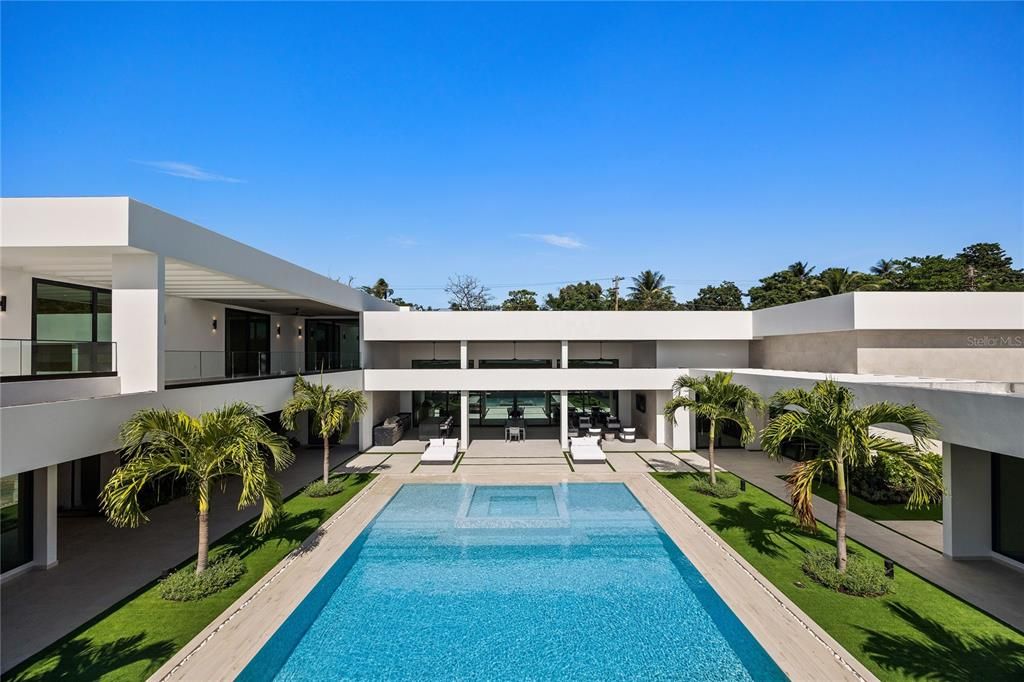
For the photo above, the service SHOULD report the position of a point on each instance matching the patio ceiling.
(93, 267)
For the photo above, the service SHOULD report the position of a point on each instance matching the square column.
(463, 354)
(366, 424)
(137, 321)
(44, 517)
(464, 419)
(966, 502)
(565, 355)
(564, 413)
(759, 418)
(662, 434)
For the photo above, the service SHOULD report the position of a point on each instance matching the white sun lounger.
(586, 449)
(440, 451)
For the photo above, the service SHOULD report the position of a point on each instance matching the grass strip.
(133, 638)
(918, 632)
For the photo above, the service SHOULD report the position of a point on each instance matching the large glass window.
(513, 364)
(727, 434)
(583, 363)
(435, 364)
(67, 321)
(1008, 506)
(332, 344)
(247, 343)
(598, 405)
(15, 520)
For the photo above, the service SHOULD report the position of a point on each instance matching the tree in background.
(202, 452)
(725, 296)
(884, 267)
(332, 410)
(987, 267)
(521, 299)
(827, 415)
(835, 281)
(649, 292)
(465, 292)
(792, 285)
(398, 300)
(380, 289)
(579, 296)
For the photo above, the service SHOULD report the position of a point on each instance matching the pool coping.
(769, 615)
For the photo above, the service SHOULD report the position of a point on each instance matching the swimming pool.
(573, 581)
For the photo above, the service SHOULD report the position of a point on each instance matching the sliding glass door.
(247, 343)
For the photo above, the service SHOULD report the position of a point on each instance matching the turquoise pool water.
(466, 582)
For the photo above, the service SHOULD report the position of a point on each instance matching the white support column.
(44, 515)
(966, 502)
(759, 418)
(366, 424)
(565, 355)
(464, 354)
(563, 403)
(661, 434)
(464, 419)
(137, 321)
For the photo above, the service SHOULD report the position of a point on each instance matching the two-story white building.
(111, 305)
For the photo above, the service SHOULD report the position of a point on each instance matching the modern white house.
(110, 305)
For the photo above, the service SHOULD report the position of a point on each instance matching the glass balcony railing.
(191, 366)
(54, 359)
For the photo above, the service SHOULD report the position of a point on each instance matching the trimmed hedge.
(721, 489)
(862, 578)
(186, 585)
(887, 480)
(335, 485)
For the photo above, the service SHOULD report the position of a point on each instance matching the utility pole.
(615, 287)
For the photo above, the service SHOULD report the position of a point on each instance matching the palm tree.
(334, 410)
(649, 291)
(801, 270)
(834, 281)
(716, 399)
(381, 289)
(826, 416)
(884, 267)
(203, 450)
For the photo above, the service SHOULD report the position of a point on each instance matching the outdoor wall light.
(213, 324)
(278, 331)
(300, 332)
(3, 304)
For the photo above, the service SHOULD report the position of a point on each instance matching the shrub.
(721, 489)
(321, 489)
(886, 480)
(185, 585)
(863, 578)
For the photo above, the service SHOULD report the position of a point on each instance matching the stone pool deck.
(800, 648)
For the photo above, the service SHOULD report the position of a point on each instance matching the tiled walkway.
(543, 455)
(989, 585)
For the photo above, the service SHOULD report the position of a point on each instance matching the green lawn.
(133, 638)
(918, 632)
(880, 512)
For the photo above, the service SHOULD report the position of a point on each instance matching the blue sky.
(533, 144)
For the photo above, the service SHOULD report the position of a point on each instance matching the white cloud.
(562, 241)
(190, 171)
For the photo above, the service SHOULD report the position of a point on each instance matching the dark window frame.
(36, 281)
